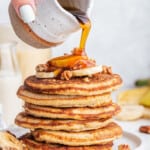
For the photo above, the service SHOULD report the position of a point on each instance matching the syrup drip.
(85, 24)
(78, 59)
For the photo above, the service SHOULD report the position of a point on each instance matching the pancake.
(31, 122)
(64, 100)
(95, 85)
(32, 145)
(92, 137)
(72, 113)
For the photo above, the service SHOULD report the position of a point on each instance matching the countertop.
(133, 127)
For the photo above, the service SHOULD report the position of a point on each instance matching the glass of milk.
(10, 80)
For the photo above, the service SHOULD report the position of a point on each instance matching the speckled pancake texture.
(64, 100)
(98, 136)
(30, 122)
(34, 145)
(95, 85)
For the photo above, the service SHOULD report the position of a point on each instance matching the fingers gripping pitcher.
(53, 23)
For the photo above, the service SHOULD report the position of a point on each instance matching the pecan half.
(107, 70)
(145, 129)
(123, 147)
(66, 75)
(42, 68)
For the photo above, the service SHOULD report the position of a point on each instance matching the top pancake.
(97, 84)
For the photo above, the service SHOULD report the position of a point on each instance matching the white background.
(120, 37)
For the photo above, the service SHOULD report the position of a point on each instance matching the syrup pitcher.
(53, 23)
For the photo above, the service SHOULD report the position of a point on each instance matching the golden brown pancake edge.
(30, 122)
(101, 83)
(83, 113)
(99, 136)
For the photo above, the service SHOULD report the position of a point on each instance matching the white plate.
(129, 138)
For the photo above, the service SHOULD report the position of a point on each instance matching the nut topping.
(42, 68)
(66, 75)
(123, 147)
(145, 129)
(107, 70)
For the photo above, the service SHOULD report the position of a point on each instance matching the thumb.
(25, 9)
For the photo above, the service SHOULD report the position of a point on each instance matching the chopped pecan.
(107, 70)
(83, 63)
(42, 68)
(123, 147)
(66, 75)
(86, 79)
(145, 129)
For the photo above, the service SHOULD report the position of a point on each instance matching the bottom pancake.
(92, 137)
(34, 145)
(31, 122)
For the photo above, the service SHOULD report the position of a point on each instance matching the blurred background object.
(10, 79)
(2, 123)
(27, 58)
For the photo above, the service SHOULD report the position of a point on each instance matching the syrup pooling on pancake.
(68, 66)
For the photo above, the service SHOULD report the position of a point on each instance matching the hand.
(25, 9)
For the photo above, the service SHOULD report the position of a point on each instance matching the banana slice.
(131, 96)
(75, 73)
(87, 71)
(130, 112)
(146, 112)
(145, 100)
(45, 74)
(48, 74)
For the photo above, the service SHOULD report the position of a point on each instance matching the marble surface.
(133, 127)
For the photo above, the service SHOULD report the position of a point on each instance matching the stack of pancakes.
(73, 114)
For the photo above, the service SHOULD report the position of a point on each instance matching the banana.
(130, 112)
(48, 74)
(146, 112)
(132, 96)
(75, 73)
(86, 71)
(145, 99)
